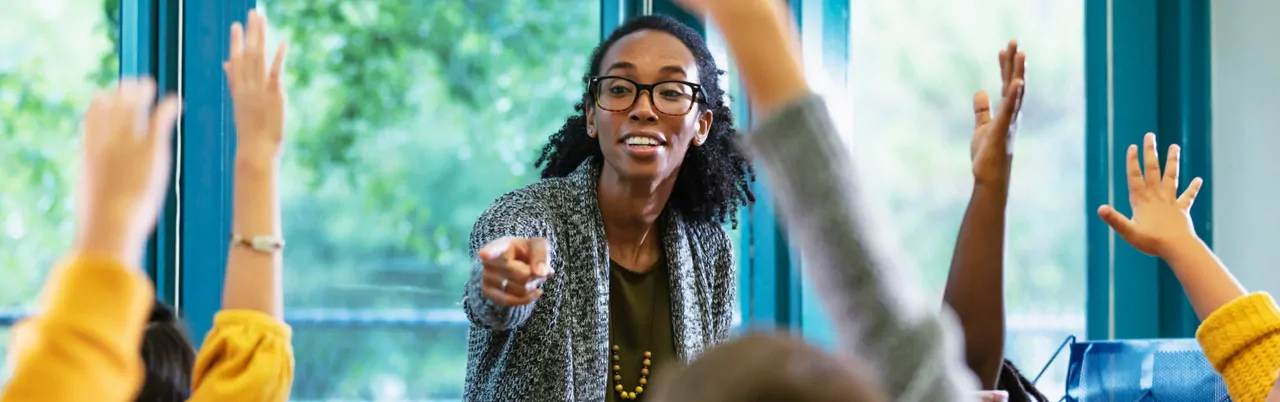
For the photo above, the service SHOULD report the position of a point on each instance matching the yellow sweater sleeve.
(247, 357)
(85, 343)
(1242, 341)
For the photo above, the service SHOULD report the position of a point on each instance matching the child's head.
(1019, 387)
(766, 368)
(168, 356)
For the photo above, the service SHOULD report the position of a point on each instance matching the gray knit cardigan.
(556, 349)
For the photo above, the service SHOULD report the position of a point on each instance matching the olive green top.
(639, 321)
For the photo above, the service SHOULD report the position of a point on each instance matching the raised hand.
(1160, 217)
(992, 147)
(513, 270)
(255, 88)
(125, 171)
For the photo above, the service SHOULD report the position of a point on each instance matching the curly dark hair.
(714, 178)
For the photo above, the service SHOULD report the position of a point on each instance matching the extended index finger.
(497, 250)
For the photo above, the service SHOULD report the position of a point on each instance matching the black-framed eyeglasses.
(672, 97)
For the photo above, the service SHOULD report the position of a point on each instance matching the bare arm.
(1208, 283)
(253, 277)
(975, 286)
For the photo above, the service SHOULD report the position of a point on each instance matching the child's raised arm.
(1241, 333)
(247, 355)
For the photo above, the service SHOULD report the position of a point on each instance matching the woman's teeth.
(642, 141)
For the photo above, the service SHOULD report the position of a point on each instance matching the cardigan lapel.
(687, 289)
(590, 321)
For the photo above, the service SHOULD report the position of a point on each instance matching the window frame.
(206, 159)
(1147, 69)
(1131, 88)
(148, 47)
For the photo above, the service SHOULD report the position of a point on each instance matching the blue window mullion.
(165, 243)
(773, 294)
(1147, 70)
(1097, 37)
(667, 7)
(612, 14)
(1185, 119)
(147, 48)
(1134, 101)
(208, 146)
(829, 21)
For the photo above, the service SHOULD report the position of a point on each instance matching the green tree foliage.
(55, 53)
(46, 80)
(407, 119)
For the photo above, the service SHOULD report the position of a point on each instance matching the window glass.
(913, 67)
(56, 54)
(406, 120)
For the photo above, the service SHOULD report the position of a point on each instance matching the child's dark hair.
(169, 358)
(715, 177)
(1020, 389)
(760, 368)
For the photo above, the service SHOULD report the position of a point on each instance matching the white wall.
(1246, 140)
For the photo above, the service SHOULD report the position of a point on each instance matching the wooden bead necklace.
(622, 391)
(617, 376)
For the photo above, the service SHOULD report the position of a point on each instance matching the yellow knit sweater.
(1242, 341)
(84, 345)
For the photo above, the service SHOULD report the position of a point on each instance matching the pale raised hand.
(255, 87)
(125, 169)
(1161, 217)
(992, 146)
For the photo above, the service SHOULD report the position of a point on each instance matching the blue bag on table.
(1155, 370)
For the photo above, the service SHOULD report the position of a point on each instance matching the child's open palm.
(1160, 216)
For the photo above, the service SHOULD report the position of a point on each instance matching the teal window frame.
(1147, 66)
(149, 47)
(1147, 69)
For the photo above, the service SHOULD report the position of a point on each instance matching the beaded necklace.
(648, 355)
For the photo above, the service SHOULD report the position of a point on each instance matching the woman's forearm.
(253, 278)
(975, 285)
(1208, 283)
